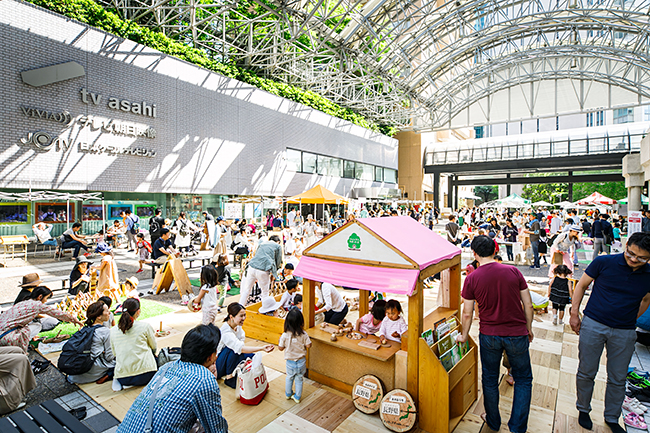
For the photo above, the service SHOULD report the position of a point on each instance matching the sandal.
(635, 421)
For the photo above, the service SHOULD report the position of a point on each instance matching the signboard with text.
(634, 218)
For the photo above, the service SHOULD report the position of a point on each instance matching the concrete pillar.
(455, 193)
(570, 188)
(436, 190)
(508, 186)
(634, 179)
(450, 191)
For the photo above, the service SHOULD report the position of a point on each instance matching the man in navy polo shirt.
(619, 296)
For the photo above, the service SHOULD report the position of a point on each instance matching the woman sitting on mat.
(134, 345)
(231, 350)
(100, 350)
(14, 323)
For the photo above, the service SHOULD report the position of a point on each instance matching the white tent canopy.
(512, 201)
(542, 203)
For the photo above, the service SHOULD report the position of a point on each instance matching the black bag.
(75, 357)
(183, 229)
(154, 227)
(550, 240)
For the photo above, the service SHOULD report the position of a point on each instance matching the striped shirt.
(187, 392)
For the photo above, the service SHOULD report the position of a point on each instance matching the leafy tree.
(550, 192)
(486, 192)
(615, 190)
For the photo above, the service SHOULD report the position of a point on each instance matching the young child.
(498, 259)
(131, 288)
(111, 319)
(371, 322)
(209, 292)
(287, 272)
(393, 326)
(560, 292)
(144, 250)
(287, 297)
(296, 342)
(297, 302)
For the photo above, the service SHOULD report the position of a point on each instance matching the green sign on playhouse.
(354, 242)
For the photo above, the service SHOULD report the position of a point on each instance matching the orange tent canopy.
(318, 195)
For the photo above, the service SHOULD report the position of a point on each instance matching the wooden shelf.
(381, 354)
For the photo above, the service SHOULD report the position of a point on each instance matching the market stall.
(318, 195)
(393, 255)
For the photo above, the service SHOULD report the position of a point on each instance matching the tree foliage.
(89, 12)
(557, 192)
(486, 192)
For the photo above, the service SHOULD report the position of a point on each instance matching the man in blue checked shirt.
(184, 391)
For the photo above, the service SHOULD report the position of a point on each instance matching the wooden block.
(400, 369)
(369, 345)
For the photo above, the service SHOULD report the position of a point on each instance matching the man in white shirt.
(42, 232)
(556, 223)
(291, 216)
(331, 303)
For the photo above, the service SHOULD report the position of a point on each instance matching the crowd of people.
(182, 393)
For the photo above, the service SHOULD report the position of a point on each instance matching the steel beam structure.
(607, 177)
(426, 64)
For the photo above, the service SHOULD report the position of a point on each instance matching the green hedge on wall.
(89, 12)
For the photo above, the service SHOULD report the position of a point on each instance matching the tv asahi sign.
(45, 141)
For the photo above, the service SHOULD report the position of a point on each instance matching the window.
(623, 115)
(308, 162)
(379, 174)
(363, 171)
(390, 175)
(478, 132)
(348, 169)
(646, 113)
(328, 166)
(294, 160)
(597, 118)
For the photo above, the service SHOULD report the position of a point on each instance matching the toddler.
(371, 322)
(144, 250)
(287, 297)
(559, 292)
(393, 326)
(209, 292)
(131, 288)
(297, 302)
(296, 342)
(287, 272)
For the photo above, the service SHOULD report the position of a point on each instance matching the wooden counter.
(381, 354)
(340, 363)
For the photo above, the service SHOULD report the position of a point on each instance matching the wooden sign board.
(173, 270)
(398, 411)
(367, 393)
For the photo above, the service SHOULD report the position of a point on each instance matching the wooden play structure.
(172, 271)
(260, 326)
(9, 244)
(393, 255)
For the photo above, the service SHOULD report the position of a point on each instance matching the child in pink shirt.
(370, 323)
(393, 326)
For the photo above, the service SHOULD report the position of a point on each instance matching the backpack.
(147, 246)
(154, 227)
(75, 357)
(136, 225)
(183, 229)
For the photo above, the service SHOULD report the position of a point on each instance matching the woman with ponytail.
(101, 351)
(134, 345)
(14, 323)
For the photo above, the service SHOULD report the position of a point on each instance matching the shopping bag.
(558, 258)
(251, 380)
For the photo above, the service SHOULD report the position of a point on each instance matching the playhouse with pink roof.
(393, 255)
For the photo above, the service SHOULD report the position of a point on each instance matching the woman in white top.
(101, 351)
(563, 244)
(232, 350)
(331, 303)
(133, 344)
(184, 229)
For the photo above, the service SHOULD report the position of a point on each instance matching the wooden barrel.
(398, 411)
(367, 393)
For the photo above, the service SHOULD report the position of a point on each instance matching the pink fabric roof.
(414, 240)
(396, 281)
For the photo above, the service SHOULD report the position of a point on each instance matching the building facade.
(84, 110)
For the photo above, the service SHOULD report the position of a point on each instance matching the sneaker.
(532, 267)
(555, 320)
(293, 397)
(635, 404)
(635, 421)
(288, 396)
(636, 379)
(139, 270)
(87, 254)
(130, 251)
(630, 407)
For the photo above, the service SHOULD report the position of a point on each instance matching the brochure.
(445, 343)
(428, 337)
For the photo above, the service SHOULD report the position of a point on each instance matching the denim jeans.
(535, 245)
(74, 244)
(509, 252)
(491, 350)
(50, 243)
(295, 372)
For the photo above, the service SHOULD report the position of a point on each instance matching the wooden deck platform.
(554, 355)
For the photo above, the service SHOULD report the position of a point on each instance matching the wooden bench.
(204, 261)
(48, 417)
